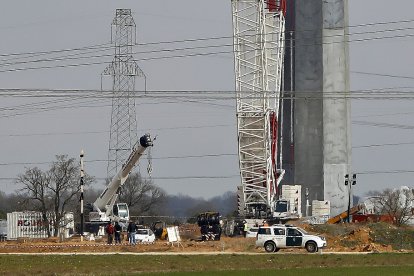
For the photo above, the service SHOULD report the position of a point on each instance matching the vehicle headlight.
(322, 238)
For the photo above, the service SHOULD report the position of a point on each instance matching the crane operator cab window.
(121, 210)
(281, 206)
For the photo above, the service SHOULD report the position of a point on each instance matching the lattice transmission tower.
(258, 31)
(124, 70)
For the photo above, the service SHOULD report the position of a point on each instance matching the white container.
(30, 224)
(321, 208)
(293, 193)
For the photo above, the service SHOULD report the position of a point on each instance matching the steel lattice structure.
(124, 70)
(258, 49)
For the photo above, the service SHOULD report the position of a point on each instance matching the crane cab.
(121, 211)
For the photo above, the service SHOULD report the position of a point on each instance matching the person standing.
(132, 230)
(110, 231)
(118, 230)
(245, 228)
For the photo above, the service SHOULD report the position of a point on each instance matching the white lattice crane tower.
(259, 51)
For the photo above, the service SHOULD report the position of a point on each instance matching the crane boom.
(103, 205)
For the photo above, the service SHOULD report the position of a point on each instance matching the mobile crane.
(104, 209)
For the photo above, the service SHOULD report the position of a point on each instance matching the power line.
(105, 45)
(40, 92)
(69, 57)
(180, 156)
(100, 132)
(199, 97)
(382, 75)
(399, 126)
(76, 105)
(185, 55)
(383, 145)
(96, 46)
(236, 176)
(386, 172)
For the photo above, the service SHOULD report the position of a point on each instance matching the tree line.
(57, 190)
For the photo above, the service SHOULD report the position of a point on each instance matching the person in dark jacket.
(118, 230)
(132, 230)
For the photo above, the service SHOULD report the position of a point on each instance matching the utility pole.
(349, 182)
(123, 69)
(82, 174)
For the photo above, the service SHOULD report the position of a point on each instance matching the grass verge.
(131, 264)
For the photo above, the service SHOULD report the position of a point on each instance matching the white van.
(275, 237)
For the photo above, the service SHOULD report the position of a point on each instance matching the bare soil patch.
(341, 238)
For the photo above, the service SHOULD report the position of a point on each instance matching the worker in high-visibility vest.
(245, 228)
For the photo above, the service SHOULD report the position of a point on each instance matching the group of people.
(115, 230)
(112, 230)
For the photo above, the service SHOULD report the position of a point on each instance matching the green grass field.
(366, 271)
(266, 264)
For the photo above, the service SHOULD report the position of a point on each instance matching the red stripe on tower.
(271, 5)
(273, 129)
(276, 5)
(283, 6)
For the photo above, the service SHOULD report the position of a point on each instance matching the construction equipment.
(288, 206)
(283, 211)
(258, 32)
(342, 216)
(210, 228)
(104, 209)
(233, 227)
(160, 230)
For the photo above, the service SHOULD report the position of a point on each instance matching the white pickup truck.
(275, 237)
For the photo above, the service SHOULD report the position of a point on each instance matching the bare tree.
(3, 202)
(63, 186)
(141, 195)
(398, 204)
(35, 189)
(55, 189)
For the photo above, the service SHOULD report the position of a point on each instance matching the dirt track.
(226, 244)
(340, 238)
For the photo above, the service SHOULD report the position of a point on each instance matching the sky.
(195, 152)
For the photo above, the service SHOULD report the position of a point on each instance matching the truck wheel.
(270, 247)
(311, 247)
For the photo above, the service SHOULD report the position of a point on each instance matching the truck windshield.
(281, 206)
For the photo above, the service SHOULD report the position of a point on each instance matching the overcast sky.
(34, 130)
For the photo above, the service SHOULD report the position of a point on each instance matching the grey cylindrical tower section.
(322, 124)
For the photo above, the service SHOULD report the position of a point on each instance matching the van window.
(264, 231)
(279, 231)
(293, 232)
(142, 232)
